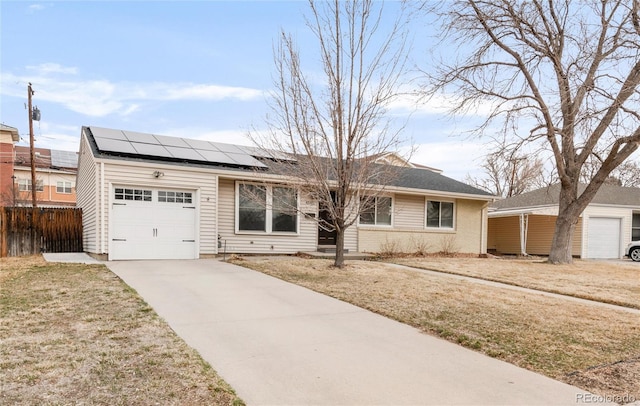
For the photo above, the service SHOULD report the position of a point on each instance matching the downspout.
(524, 228)
(483, 231)
(102, 230)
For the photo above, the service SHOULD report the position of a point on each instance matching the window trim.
(24, 185)
(173, 196)
(268, 210)
(63, 187)
(375, 213)
(426, 214)
(120, 194)
(633, 214)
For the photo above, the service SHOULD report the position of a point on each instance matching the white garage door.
(152, 224)
(603, 237)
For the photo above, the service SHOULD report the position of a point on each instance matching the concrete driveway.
(277, 343)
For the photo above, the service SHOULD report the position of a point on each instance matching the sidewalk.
(277, 343)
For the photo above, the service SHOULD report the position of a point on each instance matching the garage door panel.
(153, 229)
(604, 238)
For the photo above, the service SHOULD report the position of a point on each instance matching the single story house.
(147, 196)
(525, 224)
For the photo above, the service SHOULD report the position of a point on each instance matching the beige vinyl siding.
(304, 240)
(504, 235)
(204, 183)
(409, 234)
(408, 212)
(86, 197)
(351, 242)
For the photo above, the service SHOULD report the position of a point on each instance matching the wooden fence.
(56, 230)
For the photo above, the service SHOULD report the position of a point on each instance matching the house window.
(63, 187)
(24, 185)
(267, 208)
(168, 196)
(439, 214)
(378, 211)
(635, 227)
(132, 194)
(283, 211)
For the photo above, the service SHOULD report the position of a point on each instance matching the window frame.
(24, 185)
(439, 227)
(268, 208)
(63, 189)
(635, 214)
(174, 196)
(375, 212)
(132, 194)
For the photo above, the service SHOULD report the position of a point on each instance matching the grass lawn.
(589, 346)
(609, 282)
(76, 334)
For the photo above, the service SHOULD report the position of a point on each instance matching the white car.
(633, 251)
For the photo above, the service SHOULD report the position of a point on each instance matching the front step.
(330, 249)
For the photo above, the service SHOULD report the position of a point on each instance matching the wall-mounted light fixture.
(158, 174)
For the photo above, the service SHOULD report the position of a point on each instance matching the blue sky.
(195, 69)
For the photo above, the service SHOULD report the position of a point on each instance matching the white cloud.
(436, 105)
(36, 7)
(99, 98)
(455, 158)
(54, 136)
(49, 67)
(189, 91)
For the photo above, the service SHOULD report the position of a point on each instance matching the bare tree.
(569, 70)
(508, 173)
(625, 175)
(333, 126)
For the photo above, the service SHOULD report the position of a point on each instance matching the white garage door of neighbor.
(152, 224)
(603, 237)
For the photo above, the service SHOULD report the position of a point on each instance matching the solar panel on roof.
(199, 144)
(151, 149)
(243, 159)
(140, 137)
(111, 145)
(216, 156)
(185, 153)
(171, 141)
(108, 133)
(160, 146)
(228, 148)
(64, 159)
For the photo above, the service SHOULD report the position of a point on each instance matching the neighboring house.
(55, 176)
(8, 137)
(148, 196)
(525, 224)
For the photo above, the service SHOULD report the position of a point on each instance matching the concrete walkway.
(277, 343)
(70, 257)
(494, 284)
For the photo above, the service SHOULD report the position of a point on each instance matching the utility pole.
(33, 152)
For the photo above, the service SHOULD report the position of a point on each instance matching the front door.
(326, 233)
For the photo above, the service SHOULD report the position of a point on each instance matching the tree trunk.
(339, 261)
(562, 240)
(568, 216)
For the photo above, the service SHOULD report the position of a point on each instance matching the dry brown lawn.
(590, 346)
(608, 282)
(76, 334)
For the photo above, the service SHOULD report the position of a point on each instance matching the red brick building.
(55, 174)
